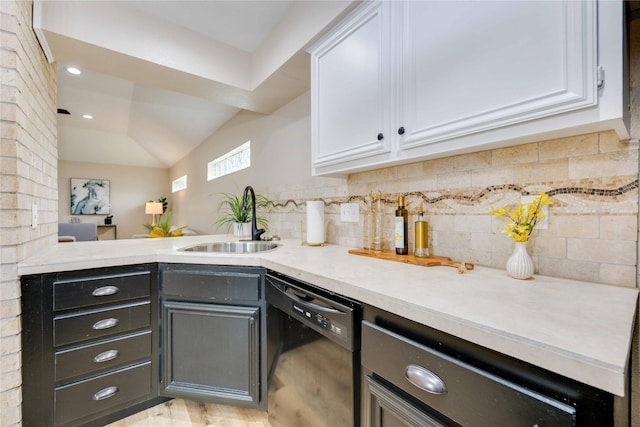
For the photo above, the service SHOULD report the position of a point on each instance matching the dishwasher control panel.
(318, 319)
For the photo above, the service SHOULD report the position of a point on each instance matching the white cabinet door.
(350, 92)
(472, 66)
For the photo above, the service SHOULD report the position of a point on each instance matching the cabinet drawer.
(100, 290)
(85, 325)
(92, 396)
(97, 357)
(223, 285)
(464, 393)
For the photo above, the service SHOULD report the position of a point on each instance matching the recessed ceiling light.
(74, 70)
(87, 116)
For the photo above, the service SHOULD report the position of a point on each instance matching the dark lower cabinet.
(413, 375)
(90, 345)
(212, 318)
(101, 344)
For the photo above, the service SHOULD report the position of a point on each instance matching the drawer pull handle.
(105, 324)
(425, 380)
(105, 356)
(104, 291)
(106, 393)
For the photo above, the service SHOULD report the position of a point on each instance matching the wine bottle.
(402, 221)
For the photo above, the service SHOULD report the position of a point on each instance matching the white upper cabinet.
(436, 78)
(350, 86)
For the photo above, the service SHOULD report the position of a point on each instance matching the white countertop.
(577, 329)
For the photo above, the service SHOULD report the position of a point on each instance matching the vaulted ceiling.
(159, 77)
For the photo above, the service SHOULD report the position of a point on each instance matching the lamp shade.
(153, 208)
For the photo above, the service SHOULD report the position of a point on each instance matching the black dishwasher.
(313, 343)
(414, 375)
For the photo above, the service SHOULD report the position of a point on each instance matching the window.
(235, 160)
(179, 184)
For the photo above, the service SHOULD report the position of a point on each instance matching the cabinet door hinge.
(600, 75)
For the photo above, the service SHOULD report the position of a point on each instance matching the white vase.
(520, 264)
(242, 229)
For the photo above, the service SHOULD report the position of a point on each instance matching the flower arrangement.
(523, 218)
(164, 229)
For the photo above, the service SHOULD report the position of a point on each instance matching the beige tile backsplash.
(593, 180)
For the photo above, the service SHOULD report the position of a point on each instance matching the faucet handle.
(258, 233)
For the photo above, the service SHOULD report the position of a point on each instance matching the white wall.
(131, 187)
(280, 161)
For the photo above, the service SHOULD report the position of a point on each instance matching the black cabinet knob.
(380, 136)
(401, 131)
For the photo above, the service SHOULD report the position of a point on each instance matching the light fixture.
(73, 70)
(87, 116)
(153, 208)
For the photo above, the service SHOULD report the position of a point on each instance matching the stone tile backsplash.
(592, 179)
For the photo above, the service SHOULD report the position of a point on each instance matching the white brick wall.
(28, 168)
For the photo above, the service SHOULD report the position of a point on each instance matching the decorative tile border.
(598, 192)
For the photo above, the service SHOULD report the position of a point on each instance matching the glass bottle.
(421, 237)
(401, 228)
(378, 216)
(368, 224)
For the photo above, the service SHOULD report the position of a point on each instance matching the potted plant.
(230, 214)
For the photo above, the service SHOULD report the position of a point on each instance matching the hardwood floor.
(185, 413)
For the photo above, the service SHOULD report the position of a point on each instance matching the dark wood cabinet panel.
(385, 408)
(211, 351)
(211, 283)
(102, 393)
(86, 325)
(102, 355)
(102, 289)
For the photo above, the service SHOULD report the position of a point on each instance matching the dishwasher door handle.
(310, 304)
(425, 380)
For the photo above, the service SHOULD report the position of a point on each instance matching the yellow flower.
(522, 219)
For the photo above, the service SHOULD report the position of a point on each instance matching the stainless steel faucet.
(256, 232)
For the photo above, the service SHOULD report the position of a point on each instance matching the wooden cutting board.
(429, 261)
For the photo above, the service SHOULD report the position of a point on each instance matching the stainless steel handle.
(425, 380)
(104, 291)
(105, 356)
(105, 324)
(106, 393)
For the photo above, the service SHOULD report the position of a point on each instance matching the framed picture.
(90, 196)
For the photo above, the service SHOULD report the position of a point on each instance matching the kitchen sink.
(238, 247)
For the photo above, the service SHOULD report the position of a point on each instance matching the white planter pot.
(242, 229)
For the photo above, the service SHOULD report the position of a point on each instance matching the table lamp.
(153, 208)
